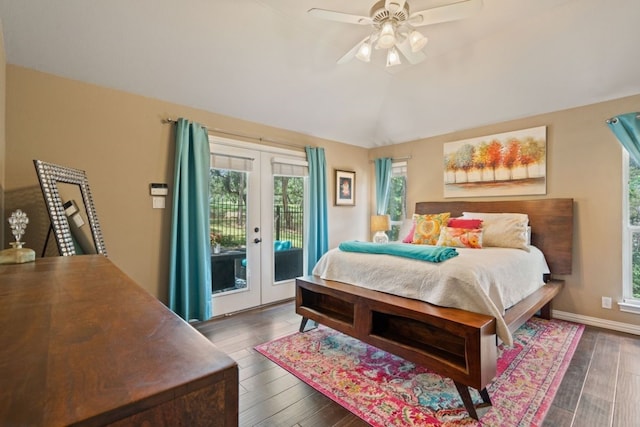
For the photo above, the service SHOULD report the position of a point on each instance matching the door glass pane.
(288, 215)
(228, 212)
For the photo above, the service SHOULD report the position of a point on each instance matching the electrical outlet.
(606, 302)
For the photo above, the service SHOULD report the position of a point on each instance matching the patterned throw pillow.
(461, 237)
(409, 237)
(428, 227)
(464, 223)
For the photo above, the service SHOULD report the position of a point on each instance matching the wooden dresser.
(82, 344)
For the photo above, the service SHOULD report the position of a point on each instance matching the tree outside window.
(396, 208)
(633, 226)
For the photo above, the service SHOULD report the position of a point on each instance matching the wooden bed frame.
(455, 343)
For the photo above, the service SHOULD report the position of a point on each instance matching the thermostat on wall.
(159, 189)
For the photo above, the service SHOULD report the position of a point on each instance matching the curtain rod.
(615, 119)
(169, 120)
(395, 159)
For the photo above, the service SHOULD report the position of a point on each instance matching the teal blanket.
(419, 252)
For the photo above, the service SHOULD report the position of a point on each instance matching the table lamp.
(380, 224)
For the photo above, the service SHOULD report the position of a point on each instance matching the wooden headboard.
(551, 222)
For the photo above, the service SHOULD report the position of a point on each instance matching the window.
(397, 206)
(631, 235)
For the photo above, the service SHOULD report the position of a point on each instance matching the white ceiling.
(270, 62)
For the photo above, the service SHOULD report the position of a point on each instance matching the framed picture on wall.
(505, 164)
(345, 188)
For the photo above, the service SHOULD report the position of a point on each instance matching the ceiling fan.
(394, 28)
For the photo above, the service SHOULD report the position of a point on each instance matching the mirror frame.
(49, 175)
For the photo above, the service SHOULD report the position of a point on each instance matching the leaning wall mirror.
(71, 211)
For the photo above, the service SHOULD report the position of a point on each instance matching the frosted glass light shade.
(387, 36)
(417, 41)
(364, 52)
(393, 57)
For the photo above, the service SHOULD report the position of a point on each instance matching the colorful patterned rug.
(385, 390)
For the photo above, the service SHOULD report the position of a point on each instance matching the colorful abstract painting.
(505, 164)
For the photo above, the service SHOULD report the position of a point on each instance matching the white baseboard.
(597, 322)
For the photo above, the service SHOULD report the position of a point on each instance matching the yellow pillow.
(428, 227)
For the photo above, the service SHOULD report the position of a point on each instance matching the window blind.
(289, 167)
(230, 162)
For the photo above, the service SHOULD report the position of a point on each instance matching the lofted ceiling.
(270, 62)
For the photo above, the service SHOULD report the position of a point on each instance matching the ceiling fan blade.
(446, 13)
(332, 15)
(352, 53)
(394, 5)
(412, 57)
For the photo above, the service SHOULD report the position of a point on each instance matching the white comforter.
(487, 280)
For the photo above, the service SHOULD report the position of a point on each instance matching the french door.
(257, 219)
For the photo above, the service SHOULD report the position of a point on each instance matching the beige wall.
(119, 140)
(584, 163)
(3, 86)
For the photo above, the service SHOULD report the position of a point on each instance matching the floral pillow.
(428, 227)
(461, 237)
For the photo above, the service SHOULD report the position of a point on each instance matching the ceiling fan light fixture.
(394, 27)
(387, 36)
(393, 57)
(364, 52)
(417, 41)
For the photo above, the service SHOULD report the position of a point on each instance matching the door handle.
(257, 240)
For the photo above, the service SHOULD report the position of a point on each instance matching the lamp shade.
(393, 57)
(417, 41)
(364, 52)
(380, 223)
(387, 36)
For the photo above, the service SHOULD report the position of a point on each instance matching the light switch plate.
(158, 202)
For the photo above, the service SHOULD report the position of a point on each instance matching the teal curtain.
(190, 250)
(627, 129)
(383, 184)
(318, 232)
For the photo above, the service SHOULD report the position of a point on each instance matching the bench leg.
(545, 311)
(463, 390)
(303, 324)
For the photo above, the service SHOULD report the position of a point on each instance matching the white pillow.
(503, 230)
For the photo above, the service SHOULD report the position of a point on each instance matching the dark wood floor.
(601, 387)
